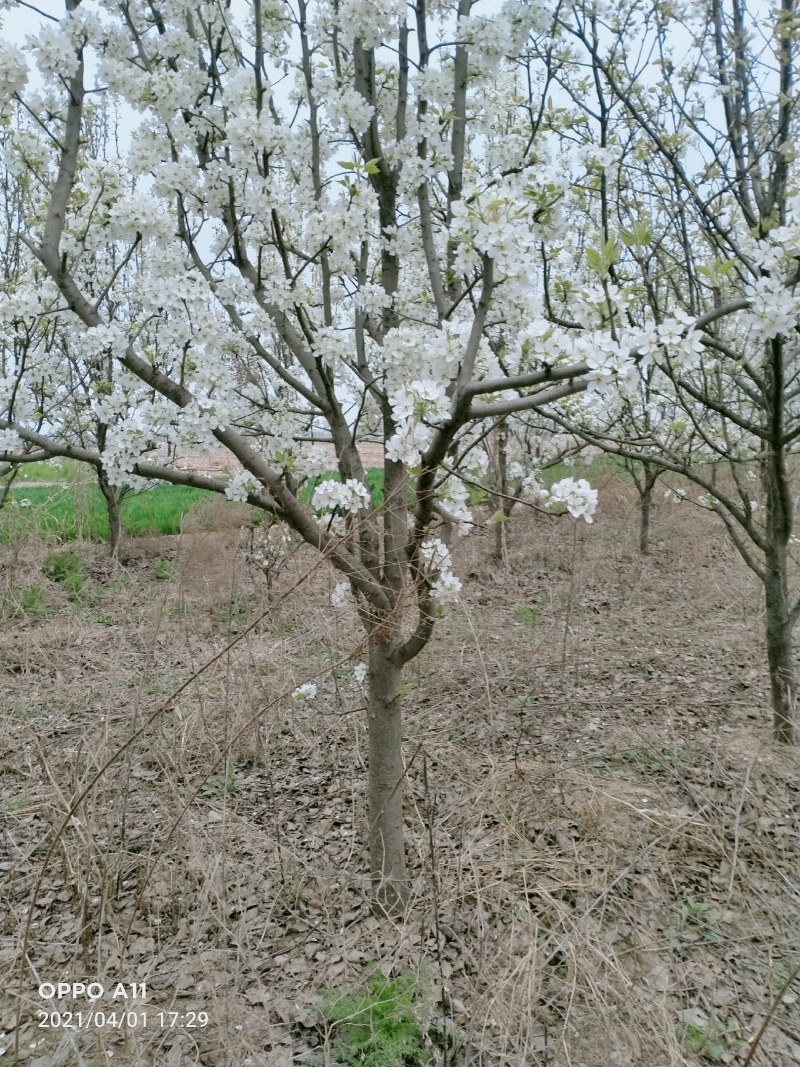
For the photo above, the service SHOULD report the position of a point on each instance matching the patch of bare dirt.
(602, 835)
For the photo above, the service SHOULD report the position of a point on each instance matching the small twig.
(736, 825)
(768, 1017)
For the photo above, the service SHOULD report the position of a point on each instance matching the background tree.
(508, 468)
(717, 289)
(50, 376)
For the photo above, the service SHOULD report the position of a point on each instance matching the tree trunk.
(502, 509)
(8, 474)
(500, 554)
(386, 785)
(113, 511)
(645, 503)
(645, 509)
(779, 648)
(778, 532)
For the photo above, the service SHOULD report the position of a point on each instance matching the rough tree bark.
(646, 506)
(779, 648)
(385, 790)
(502, 504)
(775, 480)
(112, 502)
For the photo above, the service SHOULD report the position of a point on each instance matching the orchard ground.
(603, 837)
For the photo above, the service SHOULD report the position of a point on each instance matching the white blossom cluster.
(505, 224)
(678, 334)
(774, 308)
(13, 71)
(533, 490)
(420, 400)
(452, 496)
(425, 359)
(350, 496)
(55, 46)
(341, 594)
(408, 443)
(241, 485)
(577, 496)
(371, 21)
(415, 407)
(493, 38)
(437, 562)
(10, 441)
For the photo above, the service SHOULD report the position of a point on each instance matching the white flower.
(533, 490)
(671, 331)
(578, 497)
(435, 553)
(446, 588)
(340, 594)
(336, 526)
(408, 444)
(420, 400)
(774, 308)
(351, 496)
(9, 441)
(602, 157)
(241, 485)
(13, 70)
(305, 693)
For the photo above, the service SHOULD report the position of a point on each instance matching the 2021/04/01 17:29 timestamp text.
(120, 1020)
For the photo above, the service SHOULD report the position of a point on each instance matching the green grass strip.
(78, 511)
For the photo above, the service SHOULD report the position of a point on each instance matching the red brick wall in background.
(223, 463)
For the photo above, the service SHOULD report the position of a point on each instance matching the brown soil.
(603, 836)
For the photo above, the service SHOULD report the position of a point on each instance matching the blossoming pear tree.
(697, 266)
(61, 392)
(329, 233)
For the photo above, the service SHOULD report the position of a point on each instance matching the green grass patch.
(78, 511)
(67, 569)
(53, 470)
(160, 510)
(72, 507)
(28, 602)
(528, 613)
(66, 511)
(380, 1027)
(651, 760)
(595, 469)
(163, 569)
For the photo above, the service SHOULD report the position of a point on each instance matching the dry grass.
(602, 835)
